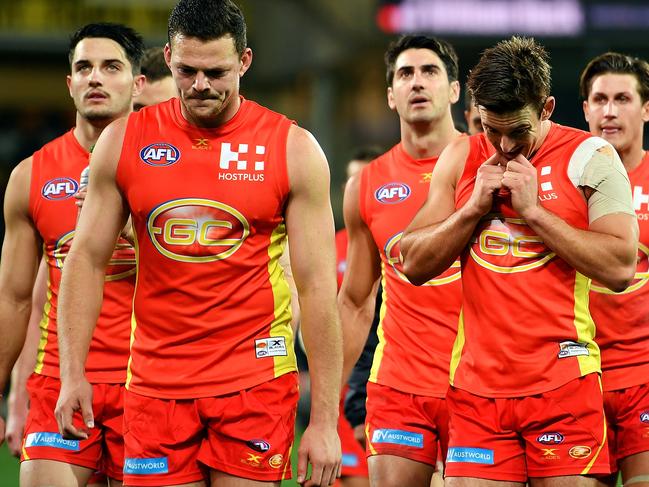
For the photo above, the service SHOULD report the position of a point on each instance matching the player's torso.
(207, 205)
(55, 179)
(525, 326)
(622, 319)
(418, 324)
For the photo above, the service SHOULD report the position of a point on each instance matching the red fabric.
(560, 432)
(207, 207)
(55, 177)
(216, 431)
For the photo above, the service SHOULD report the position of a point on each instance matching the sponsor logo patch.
(276, 461)
(463, 454)
(549, 454)
(242, 164)
(270, 347)
(201, 144)
(553, 438)
(59, 189)
(258, 445)
(580, 452)
(252, 460)
(350, 460)
(53, 440)
(392, 193)
(160, 154)
(398, 437)
(572, 349)
(146, 466)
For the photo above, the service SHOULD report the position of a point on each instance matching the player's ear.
(548, 108)
(391, 103)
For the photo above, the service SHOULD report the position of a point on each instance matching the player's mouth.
(611, 129)
(96, 95)
(418, 100)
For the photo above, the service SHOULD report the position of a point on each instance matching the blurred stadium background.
(318, 61)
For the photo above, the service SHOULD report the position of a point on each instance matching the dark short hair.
(154, 66)
(125, 36)
(614, 62)
(208, 20)
(511, 75)
(366, 153)
(440, 47)
(468, 100)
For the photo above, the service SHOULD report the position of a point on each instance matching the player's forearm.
(608, 259)
(79, 306)
(321, 332)
(430, 250)
(356, 320)
(14, 316)
(24, 366)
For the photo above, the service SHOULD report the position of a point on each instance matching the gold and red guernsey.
(212, 307)
(622, 319)
(525, 326)
(54, 180)
(418, 324)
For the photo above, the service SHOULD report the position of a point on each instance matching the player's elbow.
(417, 271)
(621, 279)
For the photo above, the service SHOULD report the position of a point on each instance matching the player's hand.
(320, 446)
(17, 409)
(521, 180)
(359, 434)
(488, 180)
(80, 196)
(74, 396)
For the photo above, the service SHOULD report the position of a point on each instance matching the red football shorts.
(627, 413)
(405, 425)
(246, 434)
(556, 433)
(354, 462)
(103, 450)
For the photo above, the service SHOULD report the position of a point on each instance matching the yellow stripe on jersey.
(281, 325)
(585, 326)
(44, 326)
(129, 375)
(378, 353)
(458, 346)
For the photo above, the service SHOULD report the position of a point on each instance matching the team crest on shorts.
(276, 461)
(580, 452)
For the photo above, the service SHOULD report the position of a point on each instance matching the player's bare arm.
(83, 277)
(21, 251)
(357, 295)
(18, 399)
(439, 232)
(310, 227)
(605, 252)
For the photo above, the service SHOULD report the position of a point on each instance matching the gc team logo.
(197, 230)
(392, 193)
(504, 245)
(160, 154)
(59, 188)
(391, 249)
(121, 265)
(641, 274)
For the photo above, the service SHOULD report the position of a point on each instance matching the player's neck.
(632, 156)
(422, 141)
(87, 132)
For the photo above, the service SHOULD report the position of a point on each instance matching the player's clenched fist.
(521, 180)
(488, 180)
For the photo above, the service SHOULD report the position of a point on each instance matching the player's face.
(101, 83)
(473, 122)
(155, 92)
(421, 91)
(615, 111)
(207, 75)
(515, 133)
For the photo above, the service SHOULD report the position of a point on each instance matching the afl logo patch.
(644, 417)
(391, 193)
(550, 438)
(160, 154)
(59, 188)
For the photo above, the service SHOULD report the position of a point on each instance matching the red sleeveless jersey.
(622, 319)
(525, 326)
(54, 180)
(418, 324)
(212, 307)
(341, 255)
